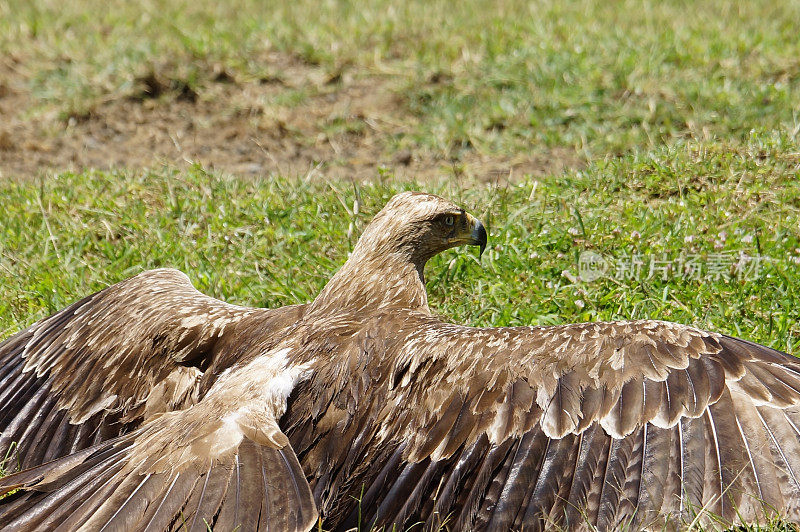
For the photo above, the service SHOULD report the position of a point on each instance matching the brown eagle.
(150, 406)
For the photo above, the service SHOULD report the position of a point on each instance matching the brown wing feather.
(99, 367)
(258, 487)
(642, 424)
(222, 461)
(639, 424)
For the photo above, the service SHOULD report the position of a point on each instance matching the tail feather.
(251, 487)
(228, 515)
(280, 489)
(208, 497)
(154, 503)
(126, 504)
(170, 508)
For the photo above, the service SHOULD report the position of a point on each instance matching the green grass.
(687, 114)
(591, 78)
(276, 242)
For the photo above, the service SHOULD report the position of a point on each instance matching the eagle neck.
(373, 283)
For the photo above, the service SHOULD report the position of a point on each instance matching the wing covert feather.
(591, 425)
(99, 367)
(222, 461)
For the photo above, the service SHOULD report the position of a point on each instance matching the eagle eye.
(449, 220)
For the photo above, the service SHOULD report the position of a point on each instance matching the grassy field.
(659, 137)
(276, 242)
(676, 126)
(598, 77)
(531, 87)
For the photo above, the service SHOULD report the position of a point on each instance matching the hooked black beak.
(479, 236)
(472, 233)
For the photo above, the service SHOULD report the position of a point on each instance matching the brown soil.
(323, 126)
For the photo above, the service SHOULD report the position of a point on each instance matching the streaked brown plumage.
(152, 406)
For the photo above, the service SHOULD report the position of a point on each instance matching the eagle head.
(386, 267)
(418, 226)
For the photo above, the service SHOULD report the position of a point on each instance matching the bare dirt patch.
(302, 121)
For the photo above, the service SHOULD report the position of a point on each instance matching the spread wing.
(114, 385)
(639, 424)
(222, 463)
(101, 366)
